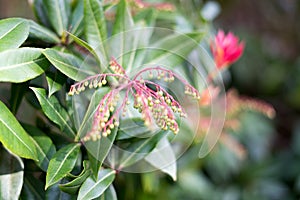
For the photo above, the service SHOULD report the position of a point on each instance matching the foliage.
(83, 144)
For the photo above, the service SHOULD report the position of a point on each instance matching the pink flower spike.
(226, 49)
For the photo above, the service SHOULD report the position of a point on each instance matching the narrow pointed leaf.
(13, 32)
(44, 147)
(14, 137)
(62, 163)
(92, 189)
(54, 111)
(20, 65)
(77, 19)
(68, 64)
(42, 33)
(58, 14)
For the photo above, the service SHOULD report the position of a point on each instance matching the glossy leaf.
(42, 33)
(55, 81)
(14, 137)
(13, 32)
(95, 26)
(54, 111)
(62, 163)
(20, 65)
(44, 147)
(58, 14)
(68, 64)
(163, 158)
(173, 49)
(139, 149)
(11, 175)
(73, 186)
(92, 189)
(109, 194)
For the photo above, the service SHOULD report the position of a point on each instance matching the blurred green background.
(269, 70)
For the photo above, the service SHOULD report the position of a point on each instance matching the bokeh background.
(269, 70)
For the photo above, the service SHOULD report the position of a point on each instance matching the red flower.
(226, 49)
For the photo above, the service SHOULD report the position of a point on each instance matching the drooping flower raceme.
(154, 103)
(226, 49)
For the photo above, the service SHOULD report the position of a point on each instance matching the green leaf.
(11, 175)
(42, 33)
(44, 147)
(62, 163)
(124, 19)
(68, 64)
(16, 95)
(82, 43)
(95, 26)
(73, 186)
(92, 189)
(32, 188)
(163, 158)
(173, 49)
(13, 32)
(39, 10)
(77, 19)
(55, 193)
(139, 149)
(20, 65)
(14, 137)
(55, 81)
(54, 111)
(58, 14)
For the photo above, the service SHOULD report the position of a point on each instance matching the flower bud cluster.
(156, 106)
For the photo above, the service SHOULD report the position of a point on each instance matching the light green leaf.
(163, 158)
(13, 32)
(77, 25)
(95, 27)
(58, 14)
(44, 147)
(55, 81)
(20, 65)
(82, 43)
(68, 64)
(92, 189)
(109, 194)
(54, 111)
(62, 163)
(42, 33)
(73, 186)
(11, 175)
(14, 137)
(173, 49)
(139, 149)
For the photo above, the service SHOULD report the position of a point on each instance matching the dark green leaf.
(68, 64)
(58, 14)
(54, 111)
(14, 137)
(44, 146)
(13, 32)
(55, 193)
(62, 163)
(73, 186)
(20, 65)
(11, 175)
(92, 189)
(33, 188)
(17, 92)
(55, 81)
(42, 33)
